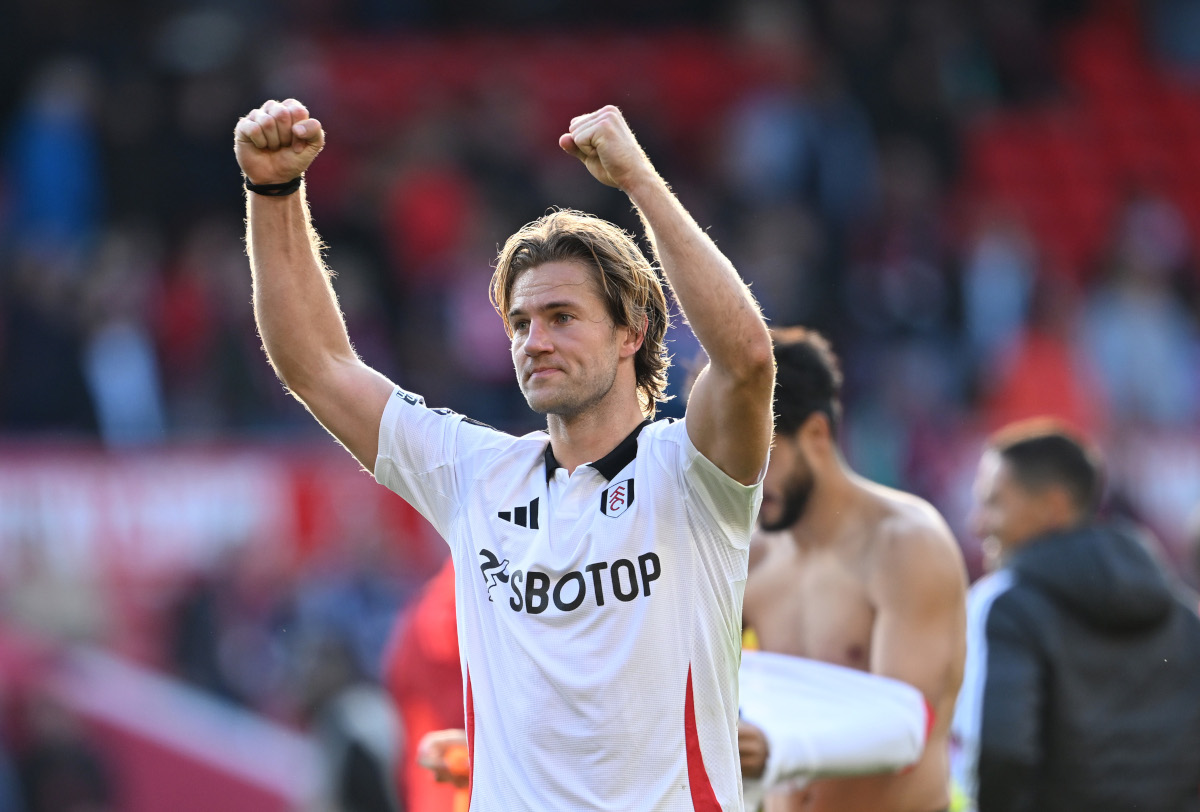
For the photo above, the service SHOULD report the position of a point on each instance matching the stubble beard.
(796, 496)
(573, 399)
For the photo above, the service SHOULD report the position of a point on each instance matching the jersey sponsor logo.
(616, 499)
(534, 591)
(522, 515)
(417, 400)
(494, 570)
(409, 397)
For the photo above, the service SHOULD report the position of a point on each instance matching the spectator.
(53, 161)
(1082, 662)
(119, 361)
(1038, 371)
(60, 770)
(355, 724)
(1141, 337)
(424, 678)
(998, 281)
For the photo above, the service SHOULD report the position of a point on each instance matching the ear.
(1059, 506)
(634, 338)
(815, 431)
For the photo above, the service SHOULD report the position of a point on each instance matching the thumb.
(567, 142)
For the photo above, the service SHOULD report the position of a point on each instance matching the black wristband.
(275, 189)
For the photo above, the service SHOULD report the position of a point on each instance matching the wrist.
(642, 183)
(281, 189)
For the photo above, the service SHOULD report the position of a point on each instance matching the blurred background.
(989, 206)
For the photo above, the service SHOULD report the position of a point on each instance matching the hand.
(445, 753)
(605, 144)
(276, 142)
(753, 750)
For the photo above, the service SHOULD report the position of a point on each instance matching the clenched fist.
(753, 750)
(276, 142)
(445, 753)
(605, 144)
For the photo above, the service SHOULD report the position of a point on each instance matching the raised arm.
(294, 303)
(729, 411)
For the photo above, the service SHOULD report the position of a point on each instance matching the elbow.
(295, 383)
(292, 375)
(757, 365)
(301, 379)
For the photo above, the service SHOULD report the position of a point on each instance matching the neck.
(830, 507)
(588, 436)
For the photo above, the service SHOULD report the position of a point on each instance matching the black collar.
(611, 463)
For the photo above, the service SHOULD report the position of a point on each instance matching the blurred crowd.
(833, 180)
(832, 175)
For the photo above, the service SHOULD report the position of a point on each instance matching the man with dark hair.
(1082, 685)
(599, 565)
(852, 573)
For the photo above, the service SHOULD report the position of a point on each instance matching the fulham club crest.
(617, 498)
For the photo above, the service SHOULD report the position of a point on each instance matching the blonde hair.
(628, 284)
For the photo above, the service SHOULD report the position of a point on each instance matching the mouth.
(542, 374)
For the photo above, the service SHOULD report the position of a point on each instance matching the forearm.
(717, 303)
(294, 304)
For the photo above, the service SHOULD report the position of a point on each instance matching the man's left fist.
(605, 144)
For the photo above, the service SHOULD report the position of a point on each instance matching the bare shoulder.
(763, 545)
(912, 543)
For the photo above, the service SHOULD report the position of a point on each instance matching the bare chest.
(814, 606)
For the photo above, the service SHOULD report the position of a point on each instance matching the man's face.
(565, 347)
(787, 485)
(1005, 514)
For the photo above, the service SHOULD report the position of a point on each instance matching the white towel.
(824, 720)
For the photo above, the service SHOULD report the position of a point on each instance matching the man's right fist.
(445, 753)
(276, 142)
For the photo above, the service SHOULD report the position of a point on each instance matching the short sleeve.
(421, 454)
(732, 506)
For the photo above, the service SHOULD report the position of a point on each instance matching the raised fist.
(276, 142)
(605, 144)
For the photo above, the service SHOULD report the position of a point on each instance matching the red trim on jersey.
(470, 740)
(703, 797)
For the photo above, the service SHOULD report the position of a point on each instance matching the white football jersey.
(599, 614)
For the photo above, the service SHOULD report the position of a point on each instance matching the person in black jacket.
(1082, 683)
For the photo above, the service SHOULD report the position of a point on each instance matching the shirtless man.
(852, 573)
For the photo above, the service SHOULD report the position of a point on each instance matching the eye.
(520, 325)
(563, 318)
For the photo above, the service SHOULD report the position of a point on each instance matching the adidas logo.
(523, 516)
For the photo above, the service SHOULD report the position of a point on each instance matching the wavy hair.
(627, 281)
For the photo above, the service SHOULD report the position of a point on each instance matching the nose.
(537, 339)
